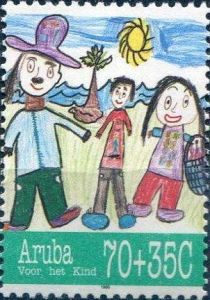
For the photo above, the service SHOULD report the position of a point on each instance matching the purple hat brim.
(55, 54)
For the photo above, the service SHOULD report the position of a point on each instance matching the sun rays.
(135, 44)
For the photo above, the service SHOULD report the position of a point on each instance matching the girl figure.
(176, 104)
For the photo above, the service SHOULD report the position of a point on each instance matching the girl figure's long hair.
(12, 80)
(161, 86)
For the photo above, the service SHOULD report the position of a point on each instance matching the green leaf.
(101, 58)
(96, 57)
(94, 50)
(87, 61)
(91, 55)
(102, 48)
(104, 63)
(100, 52)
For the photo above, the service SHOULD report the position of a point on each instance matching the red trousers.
(151, 183)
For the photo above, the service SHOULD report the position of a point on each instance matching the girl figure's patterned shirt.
(167, 158)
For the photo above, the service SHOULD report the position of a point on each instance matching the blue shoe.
(95, 221)
(127, 221)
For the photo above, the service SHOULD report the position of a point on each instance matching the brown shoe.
(69, 215)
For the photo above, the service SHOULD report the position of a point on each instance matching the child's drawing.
(105, 173)
(135, 42)
(176, 104)
(90, 111)
(33, 129)
(195, 165)
(134, 92)
(111, 166)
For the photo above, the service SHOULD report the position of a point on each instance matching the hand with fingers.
(8, 151)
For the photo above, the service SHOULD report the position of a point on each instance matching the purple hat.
(50, 33)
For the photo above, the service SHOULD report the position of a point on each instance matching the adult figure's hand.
(8, 151)
(86, 136)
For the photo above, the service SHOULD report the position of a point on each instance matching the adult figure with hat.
(33, 129)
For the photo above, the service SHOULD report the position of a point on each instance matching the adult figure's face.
(38, 74)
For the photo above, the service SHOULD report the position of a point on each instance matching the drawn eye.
(186, 101)
(168, 102)
(124, 94)
(30, 65)
(117, 92)
(50, 72)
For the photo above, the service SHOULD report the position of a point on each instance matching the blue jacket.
(35, 135)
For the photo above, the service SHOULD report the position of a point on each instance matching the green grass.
(81, 162)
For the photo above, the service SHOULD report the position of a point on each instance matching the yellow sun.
(135, 42)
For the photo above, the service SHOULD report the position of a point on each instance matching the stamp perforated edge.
(171, 3)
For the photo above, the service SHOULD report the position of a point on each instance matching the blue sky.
(180, 42)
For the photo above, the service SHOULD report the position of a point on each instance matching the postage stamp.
(105, 161)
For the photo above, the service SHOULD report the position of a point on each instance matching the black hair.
(161, 86)
(11, 80)
(124, 80)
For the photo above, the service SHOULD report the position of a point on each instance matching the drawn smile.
(118, 102)
(172, 119)
(36, 88)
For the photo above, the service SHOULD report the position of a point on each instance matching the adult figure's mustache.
(37, 80)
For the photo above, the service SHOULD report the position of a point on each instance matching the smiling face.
(38, 74)
(121, 94)
(176, 106)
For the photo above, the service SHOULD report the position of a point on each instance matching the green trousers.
(49, 184)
